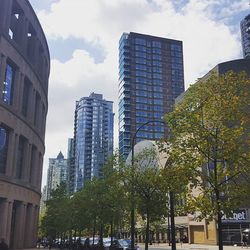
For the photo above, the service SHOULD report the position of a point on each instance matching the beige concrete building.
(24, 72)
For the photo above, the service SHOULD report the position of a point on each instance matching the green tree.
(102, 201)
(56, 220)
(210, 143)
(145, 180)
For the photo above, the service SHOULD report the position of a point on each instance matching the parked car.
(106, 243)
(82, 240)
(95, 242)
(125, 244)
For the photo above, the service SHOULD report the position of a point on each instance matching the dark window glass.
(8, 84)
(140, 41)
(20, 157)
(175, 47)
(26, 96)
(4, 139)
(32, 163)
(43, 117)
(156, 57)
(141, 48)
(37, 104)
(141, 54)
(156, 44)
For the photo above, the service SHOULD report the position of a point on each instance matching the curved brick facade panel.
(24, 73)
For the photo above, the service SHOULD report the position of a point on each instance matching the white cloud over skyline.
(202, 25)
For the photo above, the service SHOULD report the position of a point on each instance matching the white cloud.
(101, 22)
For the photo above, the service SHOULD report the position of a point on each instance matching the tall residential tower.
(245, 36)
(93, 137)
(57, 173)
(150, 78)
(71, 167)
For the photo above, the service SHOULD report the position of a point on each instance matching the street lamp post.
(171, 203)
(171, 195)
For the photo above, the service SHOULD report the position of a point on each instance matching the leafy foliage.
(210, 143)
(56, 219)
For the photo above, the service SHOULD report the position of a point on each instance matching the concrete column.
(8, 221)
(2, 73)
(32, 238)
(6, 6)
(3, 217)
(20, 229)
(29, 226)
(11, 153)
(35, 226)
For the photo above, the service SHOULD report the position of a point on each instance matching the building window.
(26, 96)
(175, 47)
(37, 106)
(8, 84)
(20, 157)
(156, 44)
(4, 139)
(32, 163)
(140, 41)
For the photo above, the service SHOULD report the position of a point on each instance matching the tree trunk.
(93, 239)
(220, 231)
(171, 201)
(132, 224)
(217, 193)
(111, 232)
(147, 231)
(101, 238)
(219, 223)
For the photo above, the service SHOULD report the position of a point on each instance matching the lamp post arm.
(132, 221)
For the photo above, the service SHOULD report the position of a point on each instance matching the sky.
(83, 38)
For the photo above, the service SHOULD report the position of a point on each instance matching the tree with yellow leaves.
(210, 127)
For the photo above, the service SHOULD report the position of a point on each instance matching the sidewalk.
(184, 246)
(187, 246)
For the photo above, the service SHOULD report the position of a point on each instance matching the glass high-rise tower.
(93, 137)
(57, 173)
(245, 36)
(150, 78)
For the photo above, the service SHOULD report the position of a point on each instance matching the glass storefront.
(234, 226)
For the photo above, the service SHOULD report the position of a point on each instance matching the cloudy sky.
(83, 39)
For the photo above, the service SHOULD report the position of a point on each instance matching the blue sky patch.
(42, 4)
(62, 49)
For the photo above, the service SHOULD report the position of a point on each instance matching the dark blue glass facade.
(4, 138)
(8, 84)
(150, 78)
(245, 36)
(94, 126)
